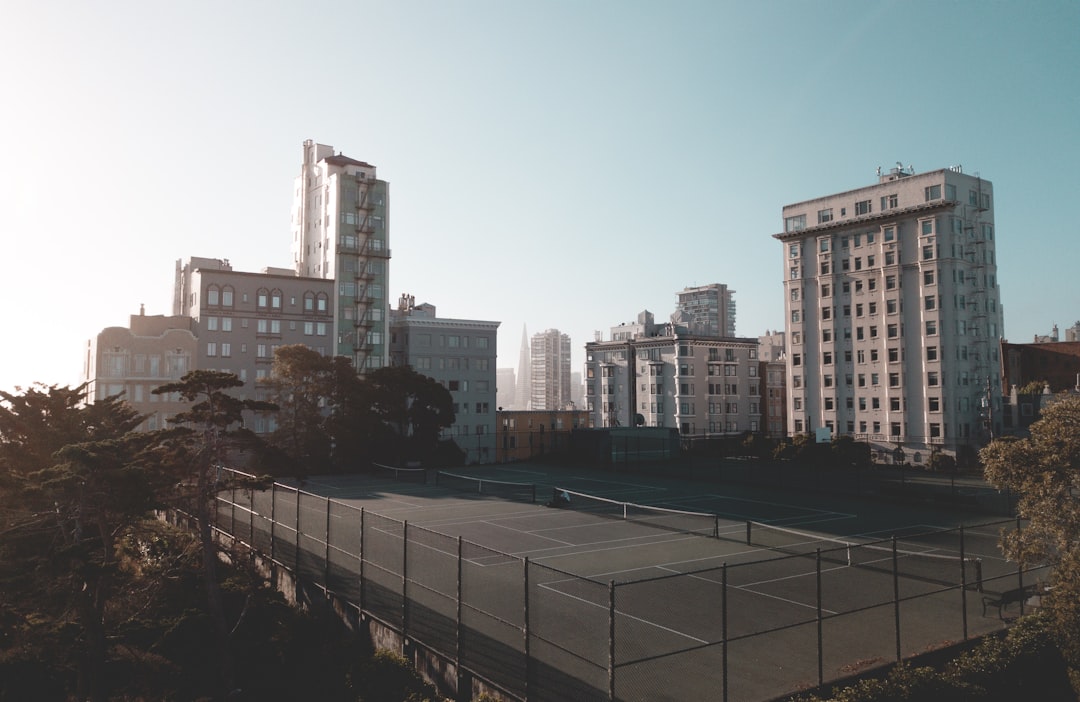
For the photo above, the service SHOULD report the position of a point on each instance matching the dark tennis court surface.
(786, 615)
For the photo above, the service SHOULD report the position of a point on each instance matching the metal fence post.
(326, 551)
(251, 521)
(457, 618)
(611, 640)
(273, 517)
(723, 630)
(963, 583)
(896, 596)
(820, 632)
(525, 628)
(360, 557)
(405, 580)
(296, 563)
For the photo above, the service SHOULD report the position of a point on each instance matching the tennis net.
(408, 475)
(945, 569)
(525, 492)
(701, 523)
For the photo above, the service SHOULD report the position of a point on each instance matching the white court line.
(747, 586)
(631, 617)
(521, 531)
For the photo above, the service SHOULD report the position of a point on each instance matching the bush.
(1025, 664)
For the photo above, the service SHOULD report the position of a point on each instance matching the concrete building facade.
(893, 312)
(550, 380)
(341, 230)
(241, 318)
(697, 385)
(707, 310)
(460, 354)
(151, 351)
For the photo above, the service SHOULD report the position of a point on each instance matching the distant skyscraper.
(340, 233)
(505, 388)
(550, 370)
(707, 310)
(524, 374)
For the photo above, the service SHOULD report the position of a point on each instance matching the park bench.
(1002, 600)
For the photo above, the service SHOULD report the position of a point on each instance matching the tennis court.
(659, 589)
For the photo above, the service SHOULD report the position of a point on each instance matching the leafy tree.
(301, 383)
(1044, 470)
(849, 453)
(208, 430)
(415, 406)
(70, 482)
(1035, 387)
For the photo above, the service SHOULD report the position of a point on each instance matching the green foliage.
(388, 677)
(331, 419)
(758, 445)
(1023, 665)
(1044, 470)
(849, 453)
(1035, 387)
(941, 462)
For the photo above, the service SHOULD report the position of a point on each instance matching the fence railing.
(745, 630)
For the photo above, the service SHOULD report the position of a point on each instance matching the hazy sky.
(551, 164)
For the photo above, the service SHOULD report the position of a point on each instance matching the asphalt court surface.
(604, 548)
(670, 585)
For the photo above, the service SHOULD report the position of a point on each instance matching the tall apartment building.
(460, 355)
(893, 312)
(340, 233)
(707, 310)
(550, 373)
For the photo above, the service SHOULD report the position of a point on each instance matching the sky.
(552, 164)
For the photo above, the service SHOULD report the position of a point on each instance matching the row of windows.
(427, 363)
(452, 341)
(463, 385)
(224, 296)
(887, 202)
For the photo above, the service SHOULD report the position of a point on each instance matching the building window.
(932, 379)
(824, 216)
(794, 224)
(212, 296)
(934, 404)
(862, 207)
(929, 302)
(932, 192)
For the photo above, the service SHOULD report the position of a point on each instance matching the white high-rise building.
(341, 232)
(894, 313)
(550, 354)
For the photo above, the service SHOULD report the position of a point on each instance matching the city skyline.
(141, 136)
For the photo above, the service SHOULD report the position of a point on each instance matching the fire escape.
(371, 261)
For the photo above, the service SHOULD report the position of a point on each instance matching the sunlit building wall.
(894, 314)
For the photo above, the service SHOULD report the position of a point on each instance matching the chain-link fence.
(697, 461)
(747, 630)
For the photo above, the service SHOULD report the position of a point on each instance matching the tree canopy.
(1044, 471)
(332, 418)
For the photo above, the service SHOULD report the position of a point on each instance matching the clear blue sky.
(552, 164)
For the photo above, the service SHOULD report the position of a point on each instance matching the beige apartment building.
(893, 313)
(131, 361)
(663, 375)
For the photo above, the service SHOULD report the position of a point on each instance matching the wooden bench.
(1004, 599)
